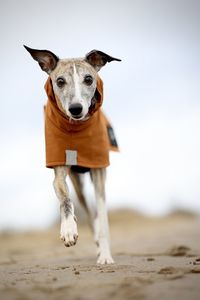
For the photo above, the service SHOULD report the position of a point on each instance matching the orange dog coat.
(77, 143)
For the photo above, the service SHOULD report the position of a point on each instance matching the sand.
(156, 258)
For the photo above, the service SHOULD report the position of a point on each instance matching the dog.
(75, 94)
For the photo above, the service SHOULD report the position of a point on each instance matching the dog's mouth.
(77, 117)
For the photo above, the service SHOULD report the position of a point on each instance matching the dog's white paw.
(105, 259)
(68, 231)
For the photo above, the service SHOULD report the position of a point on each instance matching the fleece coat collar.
(79, 143)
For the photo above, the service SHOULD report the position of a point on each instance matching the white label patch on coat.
(71, 157)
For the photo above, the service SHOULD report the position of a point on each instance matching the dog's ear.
(98, 59)
(46, 59)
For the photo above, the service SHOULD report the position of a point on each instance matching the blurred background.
(152, 98)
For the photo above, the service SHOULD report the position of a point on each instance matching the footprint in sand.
(179, 251)
(197, 261)
(171, 272)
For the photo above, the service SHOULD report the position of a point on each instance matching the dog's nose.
(76, 109)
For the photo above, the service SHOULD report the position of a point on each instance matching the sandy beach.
(156, 258)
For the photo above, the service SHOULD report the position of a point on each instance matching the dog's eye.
(60, 82)
(88, 80)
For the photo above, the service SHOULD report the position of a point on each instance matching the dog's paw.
(105, 259)
(68, 231)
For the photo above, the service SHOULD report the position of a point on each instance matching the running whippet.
(78, 138)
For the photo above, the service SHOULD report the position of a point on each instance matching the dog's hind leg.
(101, 221)
(68, 231)
(78, 186)
(77, 181)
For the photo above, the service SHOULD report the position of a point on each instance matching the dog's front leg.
(68, 230)
(101, 226)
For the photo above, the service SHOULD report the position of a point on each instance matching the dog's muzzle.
(76, 110)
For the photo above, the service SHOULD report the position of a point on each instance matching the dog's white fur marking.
(78, 98)
(77, 92)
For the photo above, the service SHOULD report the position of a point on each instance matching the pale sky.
(152, 98)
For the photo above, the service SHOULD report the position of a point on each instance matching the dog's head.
(74, 80)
